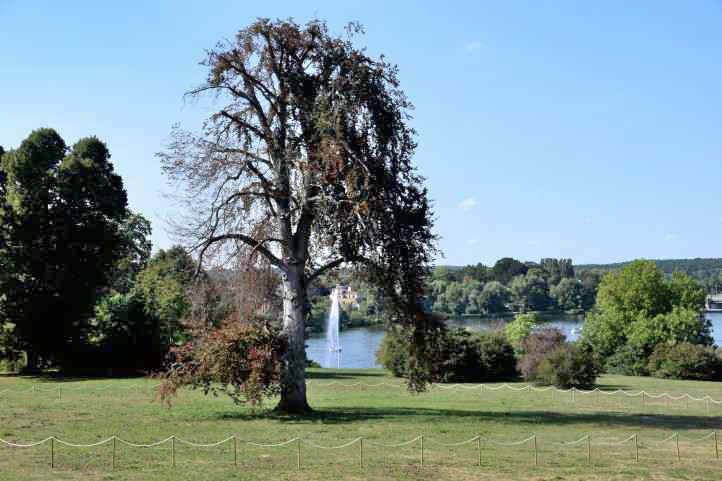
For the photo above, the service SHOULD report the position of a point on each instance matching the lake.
(360, 344)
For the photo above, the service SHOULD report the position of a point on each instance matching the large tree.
(507, 268)
(60, 231)
(638, 307)
(308, 163)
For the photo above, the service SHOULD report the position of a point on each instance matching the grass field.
(91, 410)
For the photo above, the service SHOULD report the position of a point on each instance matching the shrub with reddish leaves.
(239, 358)
(535, 346)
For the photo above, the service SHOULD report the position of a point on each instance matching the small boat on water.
(713, 303)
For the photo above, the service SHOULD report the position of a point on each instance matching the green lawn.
(381, 415)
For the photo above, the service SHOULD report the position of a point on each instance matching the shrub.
(11, 354)
(520, 328)
(497, 356)
(241, 359)
(681, 325)
(535, 346)
(567, 366)
(685, 361)
(392, 353)
(627, 361)
(487, 356)
(467, 357)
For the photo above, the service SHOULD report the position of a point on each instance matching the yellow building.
(348, 296)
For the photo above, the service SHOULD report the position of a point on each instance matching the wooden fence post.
(676, 440)
(478, 445)
(636, 448)
(536, 453)
(52, 452)
(589, 449)
(716, 450)
(172, 451)
(422, 449)
(114, 449)
(361, 451)
(235, 450)
(298, 453)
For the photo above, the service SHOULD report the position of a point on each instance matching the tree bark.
(33, 361)
(293, 375)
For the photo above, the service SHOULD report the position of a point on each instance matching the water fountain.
(332, 342)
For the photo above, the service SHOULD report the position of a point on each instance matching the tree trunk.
(293, 376)
(33, 361)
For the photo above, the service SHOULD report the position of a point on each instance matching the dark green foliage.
(535, 347)
(569, 294)
(685, 361)
(493, 298)
(530, 292)
(507, 268)
(557, 269)
(393, 353)
(478, 272)
(61, 241)
(2, 180)
(466, 357)
(496, 356)
(590, 280)
(135, 232)
(628, 361)
(568, 365)
(123, 338)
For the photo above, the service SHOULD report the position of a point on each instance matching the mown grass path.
(87, 411)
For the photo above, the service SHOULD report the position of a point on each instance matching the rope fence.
(573, 392)
(532, 441)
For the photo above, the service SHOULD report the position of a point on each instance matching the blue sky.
(590, 130)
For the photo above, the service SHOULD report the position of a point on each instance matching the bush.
(497, 356)
(467, 357)
(685, 361)
(11, 354)
(239, 358)
(567, 366)
(518, 329)
(392, 353)
(483, 357)
(627, 361)
(535, 346)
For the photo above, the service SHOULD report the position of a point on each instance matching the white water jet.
(332, 342)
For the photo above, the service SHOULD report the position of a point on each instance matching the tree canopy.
(61, 239)
(307, 164)
(638, 308)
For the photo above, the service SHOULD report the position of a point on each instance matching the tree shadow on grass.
(58, 376)
(532, 418)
